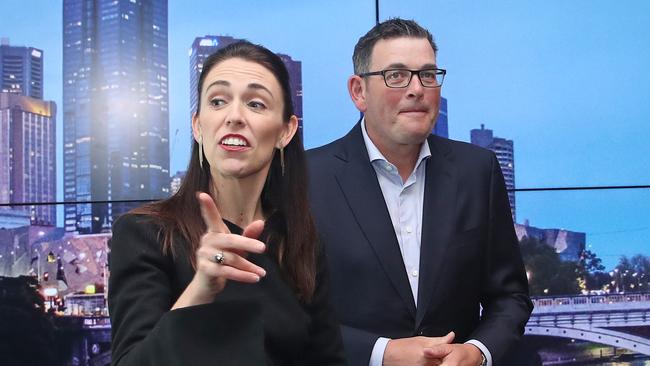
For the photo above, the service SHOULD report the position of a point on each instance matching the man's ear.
(357, 89)
(196, 127)
(289, 130)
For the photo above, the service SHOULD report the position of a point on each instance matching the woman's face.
(240, 119)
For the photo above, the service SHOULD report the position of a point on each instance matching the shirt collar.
(374, 154)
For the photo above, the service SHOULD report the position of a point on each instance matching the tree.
(590, 270)
(547, 273)
(632, 274)
(27, 336)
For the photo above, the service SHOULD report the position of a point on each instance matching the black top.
(247, 324)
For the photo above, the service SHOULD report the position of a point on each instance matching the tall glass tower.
(202, 47)
(115, 108)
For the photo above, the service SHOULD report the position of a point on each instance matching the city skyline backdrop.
(566, 82)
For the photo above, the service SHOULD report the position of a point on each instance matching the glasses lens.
(397, 78)
(431, 78)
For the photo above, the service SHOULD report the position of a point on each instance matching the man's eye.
(429, 75)
(396, 74)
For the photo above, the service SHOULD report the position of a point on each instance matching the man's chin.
(420, 128)
(413, 138)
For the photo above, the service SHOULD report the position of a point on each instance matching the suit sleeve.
(504, 297)
(146, 332)
(325, 346)
(358, 345)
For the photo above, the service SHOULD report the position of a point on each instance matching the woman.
(188, 287)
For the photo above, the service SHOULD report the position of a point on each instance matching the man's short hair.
(389, 29)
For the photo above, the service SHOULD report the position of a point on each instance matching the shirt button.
(409, 229)
(414, 273)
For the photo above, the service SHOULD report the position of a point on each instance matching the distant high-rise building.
(441, 127)
(176, 181)
(568, 244)
(115, 108)
(21, 70)
(28, 155)
(504, 150)
(295, 82)
(202, 47)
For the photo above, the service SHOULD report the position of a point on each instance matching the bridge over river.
(595, 318)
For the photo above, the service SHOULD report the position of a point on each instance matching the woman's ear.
(196, 127)
(289, 130)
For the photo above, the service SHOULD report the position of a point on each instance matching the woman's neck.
(239, 199)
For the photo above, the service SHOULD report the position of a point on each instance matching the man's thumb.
(448, 338)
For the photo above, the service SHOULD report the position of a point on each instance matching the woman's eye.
(216, 102)
(256, 105)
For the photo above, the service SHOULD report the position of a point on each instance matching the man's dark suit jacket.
(247, 324)
(469, 254)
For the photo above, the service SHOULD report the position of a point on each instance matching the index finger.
(211, 215)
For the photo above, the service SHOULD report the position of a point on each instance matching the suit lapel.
(358, 181)
(437, 224)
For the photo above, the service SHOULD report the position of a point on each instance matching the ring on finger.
(219, 258)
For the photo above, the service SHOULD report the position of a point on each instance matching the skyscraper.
(28, 155)
(441, 127)
(115, 108)
(295, 82)
(21, 70)
(504, 150)
(202, 47)
(176, 181)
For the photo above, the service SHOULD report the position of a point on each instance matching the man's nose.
(415, 87)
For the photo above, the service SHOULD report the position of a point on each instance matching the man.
(417, 228)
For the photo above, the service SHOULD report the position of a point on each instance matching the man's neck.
(403, 156)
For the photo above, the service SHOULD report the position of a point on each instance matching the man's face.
(399, 116)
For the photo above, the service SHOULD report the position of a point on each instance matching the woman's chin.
(238, 172)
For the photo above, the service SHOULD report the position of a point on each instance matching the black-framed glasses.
(401, 78)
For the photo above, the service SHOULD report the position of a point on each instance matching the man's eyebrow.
(402, 66)
(396, 66)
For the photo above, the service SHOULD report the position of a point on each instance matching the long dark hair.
(284, 197)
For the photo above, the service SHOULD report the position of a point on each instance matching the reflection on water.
(560, 351)
(640, 361)
(631, 363)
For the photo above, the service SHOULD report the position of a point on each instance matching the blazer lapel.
(437, 224)
(358, 181)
